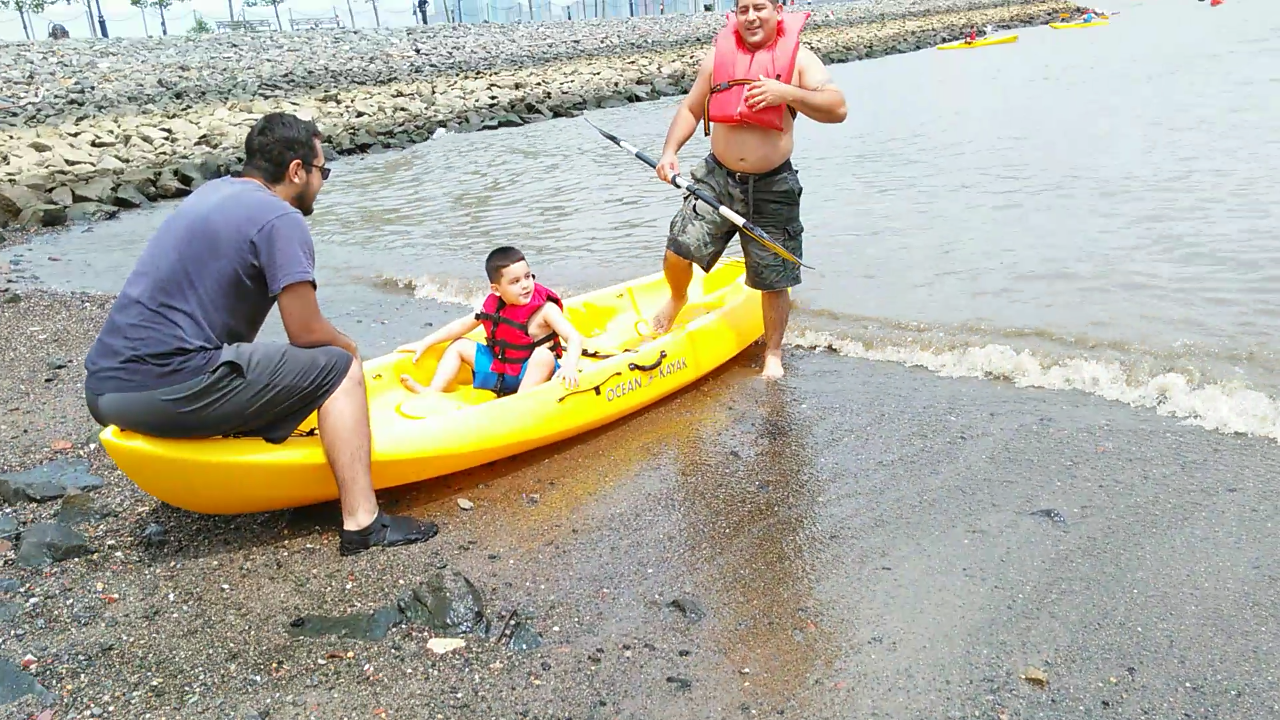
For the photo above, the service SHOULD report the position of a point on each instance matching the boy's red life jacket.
(506, 329)
(737, 66)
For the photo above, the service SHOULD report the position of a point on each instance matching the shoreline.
(88, 167)
(824, 540)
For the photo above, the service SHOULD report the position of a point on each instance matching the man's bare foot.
(666, 317)
(412, 385)
(772, 366)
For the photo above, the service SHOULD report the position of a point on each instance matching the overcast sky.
(125, 20)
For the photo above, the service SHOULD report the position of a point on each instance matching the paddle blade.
(763, 238)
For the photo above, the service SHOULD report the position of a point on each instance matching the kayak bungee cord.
(679, 182)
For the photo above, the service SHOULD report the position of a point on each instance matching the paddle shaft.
(679, 182)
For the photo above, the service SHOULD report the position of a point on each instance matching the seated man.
(176, 357)
(523, 323)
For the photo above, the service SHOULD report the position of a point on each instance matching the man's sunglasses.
(324, 171)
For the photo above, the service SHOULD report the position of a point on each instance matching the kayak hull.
(980, 42)
(418, 437)
(1072, 26)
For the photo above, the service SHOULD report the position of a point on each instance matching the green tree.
(160, 6)
(274, 4)
(200, 26)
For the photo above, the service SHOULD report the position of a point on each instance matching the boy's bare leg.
(540, 367)
(459, 351)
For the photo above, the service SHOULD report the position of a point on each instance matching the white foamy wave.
(448, 291)
(1228, 407)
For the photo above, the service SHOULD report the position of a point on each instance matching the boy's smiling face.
(515, 287)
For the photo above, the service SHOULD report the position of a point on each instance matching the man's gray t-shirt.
(207, 278)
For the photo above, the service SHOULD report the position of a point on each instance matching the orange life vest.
(506, 329)
(737, 66)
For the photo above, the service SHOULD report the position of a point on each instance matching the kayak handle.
(651, 366)
(594, 388)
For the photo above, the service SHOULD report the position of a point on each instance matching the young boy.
(523, 323)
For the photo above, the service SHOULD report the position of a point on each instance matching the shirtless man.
(749, 168)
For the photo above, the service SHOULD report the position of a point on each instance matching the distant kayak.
(980, 42)
(1067, 26)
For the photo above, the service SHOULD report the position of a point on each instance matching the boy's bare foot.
(412, 385)
(666, 316)
(772, 366)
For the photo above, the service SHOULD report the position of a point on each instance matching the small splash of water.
(449, 291)
(1223, 406)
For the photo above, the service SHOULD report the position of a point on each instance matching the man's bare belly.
(752, 149)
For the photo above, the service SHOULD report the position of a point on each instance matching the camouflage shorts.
(771, 200)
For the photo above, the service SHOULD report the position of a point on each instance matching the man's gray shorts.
(260, 390)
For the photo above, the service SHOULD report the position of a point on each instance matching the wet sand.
(859, 536)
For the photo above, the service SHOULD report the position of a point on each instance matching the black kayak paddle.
(679, 182)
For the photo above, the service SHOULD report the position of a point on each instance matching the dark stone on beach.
(690, 607)
(91, 212)
(9, 585)
(154, 536)
(82, 508)
(10, 610)
(15, 683)
(8, 526)
(44, 544)
(43, 216)
(358, 626)
(168, 186)
(1053, 515)
(128, 196)
(681, 683)
(448, 603)
(48, 482)
(524, 637)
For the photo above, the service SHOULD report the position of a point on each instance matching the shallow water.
(1082, 209)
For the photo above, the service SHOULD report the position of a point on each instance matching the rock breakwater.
(93, 127)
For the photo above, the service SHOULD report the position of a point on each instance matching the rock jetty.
(88, 127)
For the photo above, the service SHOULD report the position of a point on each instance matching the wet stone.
(48, 482)
(524, 637)
(448, 603)
(15, 684)
(680, 683)
(81, 508)
(44, 544)
(1054, 516)
(9, 585)
(8, 525)
(154, 536)
(358, 626)
(56, 363)
(690, 607)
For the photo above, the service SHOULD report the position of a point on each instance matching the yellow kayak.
(1067, 26)
(980, 42)
(416, 437)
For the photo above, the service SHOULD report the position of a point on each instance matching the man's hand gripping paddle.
(678, 181)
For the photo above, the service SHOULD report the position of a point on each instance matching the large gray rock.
(23, 197)
(44, 544)
(43, 216)
(48, 482)
(98, 190)
(91, 212)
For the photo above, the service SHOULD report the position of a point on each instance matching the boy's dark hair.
(275, 141)
(501, 259)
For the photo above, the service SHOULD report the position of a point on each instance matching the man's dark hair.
(501, 259)
(275, 141)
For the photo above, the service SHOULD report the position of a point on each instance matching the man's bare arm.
(304, 323)
(689, 113)
(815, 94)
